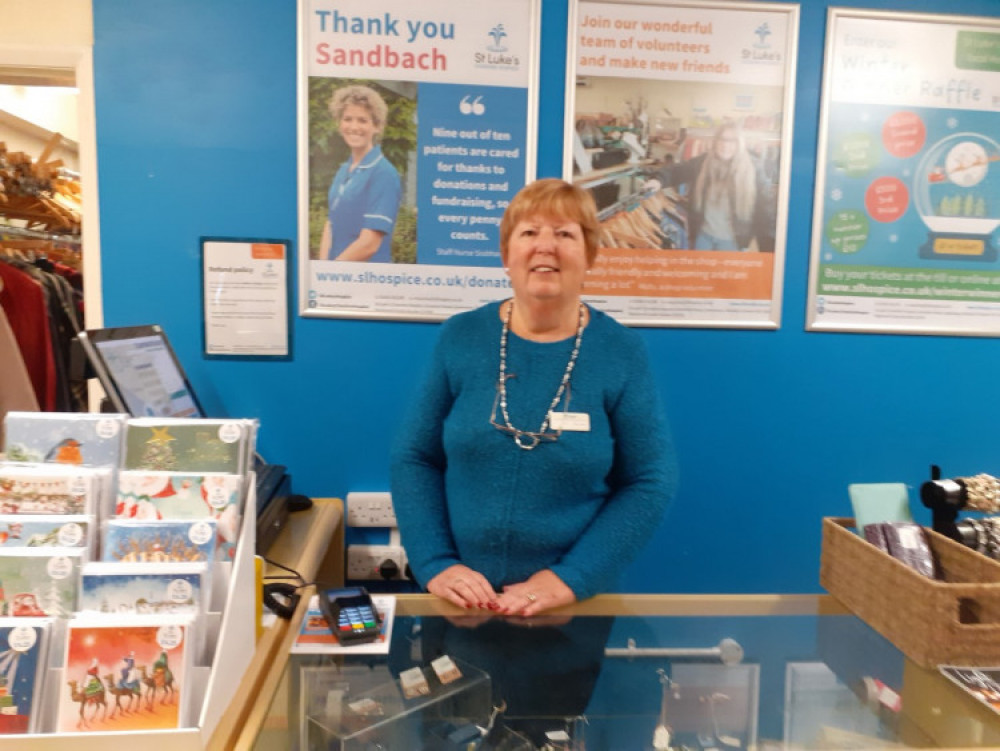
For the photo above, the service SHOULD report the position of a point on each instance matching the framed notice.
(907, 207)
(417, 126)
(245, 297)
(679, 123)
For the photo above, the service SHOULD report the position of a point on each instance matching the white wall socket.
(378, 562)
(370, 510)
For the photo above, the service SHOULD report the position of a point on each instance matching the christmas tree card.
(47, 531)
(144, 588)
(125, 673)
(179, 445)
(91, 440)
(51, 489)
(159, 541)
(39, 582)
(24, 653)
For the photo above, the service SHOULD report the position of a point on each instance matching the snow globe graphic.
(957, 193)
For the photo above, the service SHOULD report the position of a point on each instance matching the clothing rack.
(9, 230)
(642, 220)
(38, 192)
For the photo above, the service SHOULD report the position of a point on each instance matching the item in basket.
(876, 536)
(908, 544)
(982, 492)
(876, 502)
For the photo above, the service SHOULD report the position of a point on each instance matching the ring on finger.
(531, 597)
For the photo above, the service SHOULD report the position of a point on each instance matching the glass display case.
(341, 709)
(629, 671)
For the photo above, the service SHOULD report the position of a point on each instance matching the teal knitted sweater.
(582, 506)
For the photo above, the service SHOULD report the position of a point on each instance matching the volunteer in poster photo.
(365, 193)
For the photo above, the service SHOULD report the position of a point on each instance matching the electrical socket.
(370, 562)
(370, 510)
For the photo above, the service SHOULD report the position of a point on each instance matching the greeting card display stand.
(233, 630)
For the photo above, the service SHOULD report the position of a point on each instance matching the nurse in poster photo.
(364, 197)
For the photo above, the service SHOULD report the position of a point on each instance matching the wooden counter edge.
(271, 653)
(658, 604)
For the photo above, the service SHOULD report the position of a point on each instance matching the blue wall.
(196, 136)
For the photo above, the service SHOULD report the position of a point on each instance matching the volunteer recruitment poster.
(680, 127)
(417, 126)
(907, 201)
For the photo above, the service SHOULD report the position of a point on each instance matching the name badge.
(573, 421)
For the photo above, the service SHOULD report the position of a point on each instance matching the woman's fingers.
(464, 587)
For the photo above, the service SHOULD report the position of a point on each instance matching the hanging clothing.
(16, 391)
(23, 301)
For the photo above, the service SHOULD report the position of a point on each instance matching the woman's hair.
(553, 199)
(734, 179)
(361, 96)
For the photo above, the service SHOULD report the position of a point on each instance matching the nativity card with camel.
(126, 673)
(182, 445)
(39, 582)
(87, 439)
(159, 541)
(24, 650)
(52, 489)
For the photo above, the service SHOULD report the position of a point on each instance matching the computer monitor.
(139, 371)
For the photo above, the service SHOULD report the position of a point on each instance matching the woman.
(364, 196)
(725, 200)
(544, 500)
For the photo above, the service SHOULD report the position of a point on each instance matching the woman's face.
(357, 127)
(726, 144)
(547, 259)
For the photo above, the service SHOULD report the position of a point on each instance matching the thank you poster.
(417, 127)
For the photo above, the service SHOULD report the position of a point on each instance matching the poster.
(680, 127)
(417, 126)
(907, 199)
(245, 297)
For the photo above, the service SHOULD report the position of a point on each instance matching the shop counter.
(621, 671)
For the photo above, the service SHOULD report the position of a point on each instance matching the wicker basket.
(954, 620)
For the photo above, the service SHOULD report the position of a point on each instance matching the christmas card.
(91, 440)
(179, 445)
(144, 588)
(24, 646)
(51, 489)
(159, 541)
(47, 531)
(146, 494)
(39, 581)
(125, 673)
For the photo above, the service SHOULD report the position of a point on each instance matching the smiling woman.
(545, 502)
(364, 197)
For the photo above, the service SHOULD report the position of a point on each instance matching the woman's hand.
(464, 587)
(541, 591)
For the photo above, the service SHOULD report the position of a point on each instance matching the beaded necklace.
(527, 439)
